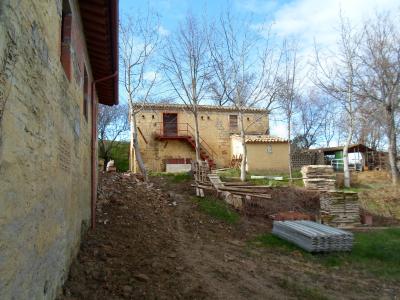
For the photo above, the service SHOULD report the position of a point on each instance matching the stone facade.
(214, 127)
(45, 154)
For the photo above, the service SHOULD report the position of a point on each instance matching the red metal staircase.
(185, 132)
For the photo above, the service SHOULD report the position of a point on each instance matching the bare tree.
(138, 40)
(370, 129)
(289, 89)
(337, 78)
(245, 69)
(186, 66)
(329, 126)
(112, 124)
(314, 121)
(379, 80)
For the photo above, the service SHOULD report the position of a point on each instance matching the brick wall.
(44, 149)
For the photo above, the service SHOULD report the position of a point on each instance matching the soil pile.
(133, 248)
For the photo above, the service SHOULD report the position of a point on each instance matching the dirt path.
(155, 244)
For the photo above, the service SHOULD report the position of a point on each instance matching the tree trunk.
(346, 171)
(197, 135)
(392, 146)
(290, 151)
(244, 156)
(136, 147)
(106, 160)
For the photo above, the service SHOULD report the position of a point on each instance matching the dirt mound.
(383, 204)
(133, 246)
(283, 199)
(153, 242)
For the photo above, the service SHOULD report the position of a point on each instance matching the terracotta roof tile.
(157, 106)
(263, 138)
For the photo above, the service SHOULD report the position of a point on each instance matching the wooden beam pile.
(318, 177)
(339, 208)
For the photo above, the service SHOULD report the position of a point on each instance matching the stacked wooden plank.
(318, 177)
(340, 208)
(313, 237)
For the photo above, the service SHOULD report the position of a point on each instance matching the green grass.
(120, 155)
(376, 252)
(271, 241)
(217, 209)
(229, 174)
(173, 177)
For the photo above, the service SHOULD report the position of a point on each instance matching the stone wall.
(213, 127)
(44, 149)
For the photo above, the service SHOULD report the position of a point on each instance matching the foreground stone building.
(58, 59)
(166, 137)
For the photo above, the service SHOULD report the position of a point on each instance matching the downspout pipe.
(93, 145)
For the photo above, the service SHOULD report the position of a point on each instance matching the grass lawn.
(229, 174)
(376, 252)
(173, 177)
(217, 209)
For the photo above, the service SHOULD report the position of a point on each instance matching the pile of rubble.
(318, 177)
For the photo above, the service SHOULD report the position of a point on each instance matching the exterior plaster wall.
(213, 127)
(44, 149)
(273, 157)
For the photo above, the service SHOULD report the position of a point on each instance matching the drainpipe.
(93, 145)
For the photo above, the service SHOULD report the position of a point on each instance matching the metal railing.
(172, 129)
(354, 164)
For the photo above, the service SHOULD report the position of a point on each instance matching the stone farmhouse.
(58, 60)
(166, 138)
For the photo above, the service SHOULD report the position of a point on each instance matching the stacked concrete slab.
(318, 177)
(340, 208)
(313, 237)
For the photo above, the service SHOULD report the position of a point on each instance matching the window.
(233, 122)
(85, 94)
(66, 22)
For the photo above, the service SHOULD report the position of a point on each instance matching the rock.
(67, 292)
(142, 277)
(127, 289)
(236, 243)
(228, 257)
(172, 255)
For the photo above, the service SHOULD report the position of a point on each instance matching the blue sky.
(306, 20)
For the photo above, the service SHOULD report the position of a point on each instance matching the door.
(170, 122)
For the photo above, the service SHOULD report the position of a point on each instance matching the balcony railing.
(185, 130)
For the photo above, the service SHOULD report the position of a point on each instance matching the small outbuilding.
(361, 157)
(265, 153)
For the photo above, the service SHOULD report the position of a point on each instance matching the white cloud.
(307, 20)
(163, 31)
(150, 75)
(278, 128)
(257, 6)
